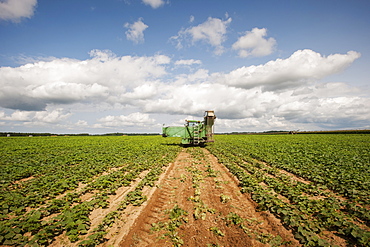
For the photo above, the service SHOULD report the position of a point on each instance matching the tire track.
(207, 195)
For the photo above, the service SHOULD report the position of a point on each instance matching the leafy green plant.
(177, 217)
(216, 231)
(272, 170)
(225, 198)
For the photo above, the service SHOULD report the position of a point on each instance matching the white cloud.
(17, 116)
(135, 31)
(47, 116)
(53, 116)
(275, 95)
(142, 92)
(254, 43)
(104, 77)
(334, 112)
(299, 69)
(102, 55)
(191, 19)
(62, 92)
(256, 110)
(188, 62)
(15, 10)
(133, 119)
(154, 3)
(212, 32)
(81, 123)
(199, 75)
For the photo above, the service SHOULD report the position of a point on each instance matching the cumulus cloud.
(188, 62)
(299, 69)
(275, 95)
(65, 81)
(325, 112)
(47, 116)
(142, 92)
(254, 43)
(18, 116)
(256, 110)
(53, 116)
(62, 92)
(154, 3)
(133, 119)
(190, 99)
(15, 10)
(212, 31)
(82, 123)
(135, 31)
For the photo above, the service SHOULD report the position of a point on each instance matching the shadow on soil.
(182, 145)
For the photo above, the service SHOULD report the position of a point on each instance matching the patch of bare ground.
(20, 183)
(83, 196)
(24, 180)
(98, 214)
(198, 203)
(122, 226)
(293, 180)
(80, 187)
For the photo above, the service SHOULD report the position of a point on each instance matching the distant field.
(77, 190)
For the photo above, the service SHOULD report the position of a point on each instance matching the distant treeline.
(9, 134)
(130, 134)
(273, 132)
(336, 132)
(282, 132)
(24, 134)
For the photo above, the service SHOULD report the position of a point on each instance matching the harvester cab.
(193, 132)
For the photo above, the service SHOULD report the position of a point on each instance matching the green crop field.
(40, 175)
(317, 185)
(327, 188)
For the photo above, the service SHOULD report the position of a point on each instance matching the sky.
(132, 66)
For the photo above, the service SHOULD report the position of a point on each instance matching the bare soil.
(197, 202)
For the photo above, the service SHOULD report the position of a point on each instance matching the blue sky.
(133, 65)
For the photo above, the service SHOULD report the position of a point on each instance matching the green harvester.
(193, 132)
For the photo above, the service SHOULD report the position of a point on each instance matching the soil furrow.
(198, 203)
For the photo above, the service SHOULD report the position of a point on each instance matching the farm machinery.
(193, 132)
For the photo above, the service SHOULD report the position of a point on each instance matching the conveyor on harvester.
(193, 132)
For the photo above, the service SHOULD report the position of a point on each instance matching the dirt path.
(198, 203)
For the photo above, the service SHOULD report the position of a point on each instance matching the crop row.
(338, 162)
(45, 201)
(308, 207)
(200, 174)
